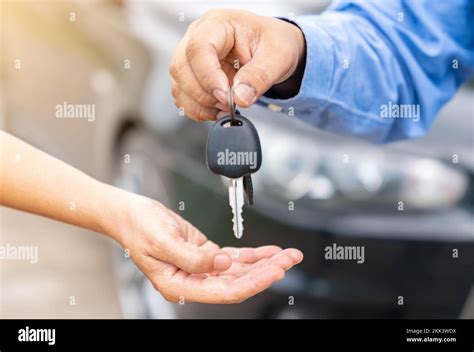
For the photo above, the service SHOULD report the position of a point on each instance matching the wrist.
(291, 86)
(301, 47)
(113, 211)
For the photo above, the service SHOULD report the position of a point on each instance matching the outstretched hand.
(176, 257)
(183, 264)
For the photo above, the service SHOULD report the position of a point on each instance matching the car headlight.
(297, 167)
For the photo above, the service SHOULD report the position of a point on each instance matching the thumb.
(192, 258)
(259, 75)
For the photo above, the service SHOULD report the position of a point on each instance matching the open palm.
(184, 265)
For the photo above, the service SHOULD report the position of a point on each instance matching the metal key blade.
(236, 202)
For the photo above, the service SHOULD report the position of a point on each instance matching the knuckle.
(191, 114)
(201, 113)
(178, 74)
(193, 48)
(175, 91)
(197, 112)
(198, 95)
(204, 99)
(173, 69)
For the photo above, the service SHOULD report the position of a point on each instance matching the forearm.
(33, 181)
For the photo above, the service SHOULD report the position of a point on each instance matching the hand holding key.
(229, 47)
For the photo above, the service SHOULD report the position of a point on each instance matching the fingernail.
(221, 262)
(296, 255)
(220, 95)
(245, 93)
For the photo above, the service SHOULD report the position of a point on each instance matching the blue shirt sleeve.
(382, 70)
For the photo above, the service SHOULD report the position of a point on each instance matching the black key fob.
(233, 147)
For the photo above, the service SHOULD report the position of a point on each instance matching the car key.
(234, 151)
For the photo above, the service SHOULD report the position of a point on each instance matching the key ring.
(230, 97)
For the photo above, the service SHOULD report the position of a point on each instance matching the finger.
(217, 290)
(189, 257)
(283, 259)
(222, 114)
(251, 255)
(223, 108)
(184, 79)
(253, 283)
(210, 43)
(286, 259)
(259, 75)
(192, 108)
(295, 254)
